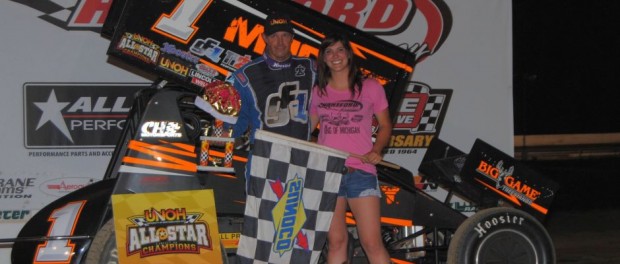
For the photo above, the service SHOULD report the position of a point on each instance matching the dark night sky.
(566, 81)
(566, 66)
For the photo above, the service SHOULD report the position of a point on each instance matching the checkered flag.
(291, 197)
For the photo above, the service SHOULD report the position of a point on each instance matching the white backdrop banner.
(64, 100)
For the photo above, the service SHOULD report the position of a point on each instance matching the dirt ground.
(585, 236)
(584, 220)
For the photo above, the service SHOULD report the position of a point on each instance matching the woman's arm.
(382, 138)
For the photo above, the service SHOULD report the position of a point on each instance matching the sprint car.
(512, 200)
(189, 44)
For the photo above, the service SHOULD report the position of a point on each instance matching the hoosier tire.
(501, 235)
(103, 249)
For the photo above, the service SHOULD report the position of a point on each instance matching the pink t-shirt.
(346, 122)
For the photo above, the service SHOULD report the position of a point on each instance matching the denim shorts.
(359, 184)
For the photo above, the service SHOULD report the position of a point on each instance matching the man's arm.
(240, 127)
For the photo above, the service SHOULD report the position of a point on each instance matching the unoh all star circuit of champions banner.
(166, 227)
(291, 198)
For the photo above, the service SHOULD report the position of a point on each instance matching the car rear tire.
(103, 249)
(501, 235)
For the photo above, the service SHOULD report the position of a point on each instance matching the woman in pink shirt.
(344, 103)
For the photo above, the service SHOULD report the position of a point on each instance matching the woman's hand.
(372, 158)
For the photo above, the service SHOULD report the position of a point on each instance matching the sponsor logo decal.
(163, 129)
(506, 182)
(419, 118)
(199, 75)
(464, 206)
(210, 49)
(139, 47)
(483, 227)
(230, 240)
(300, 71)
(61, 186)
(289, 216)
(206, 70)
(424, 184)
(343, 106)
(202, 75)
(181, 54)
(167, 231)
(72, 14)
(202, 78)
(200, 82)
(53, 154)
(390, 194)
(75, 115)
(14, 188)
(173, 66)
(8, 215)
(499, 177)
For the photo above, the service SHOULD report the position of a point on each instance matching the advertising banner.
(525, 188)
(167, 227)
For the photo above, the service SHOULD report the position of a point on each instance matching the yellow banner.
(167, 227)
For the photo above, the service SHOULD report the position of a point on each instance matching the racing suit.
(274, 96)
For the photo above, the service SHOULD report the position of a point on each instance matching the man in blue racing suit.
(275, 88)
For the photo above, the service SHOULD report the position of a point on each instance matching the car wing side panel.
(63, 230)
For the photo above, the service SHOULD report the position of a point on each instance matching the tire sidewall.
(103, 248)
(476, 231)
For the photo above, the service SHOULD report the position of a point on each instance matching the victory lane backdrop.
(463, 56)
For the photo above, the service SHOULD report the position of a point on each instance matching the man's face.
(279, 45)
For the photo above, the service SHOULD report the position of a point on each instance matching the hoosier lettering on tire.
(501, 235)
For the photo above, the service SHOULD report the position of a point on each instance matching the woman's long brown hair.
(324, 74)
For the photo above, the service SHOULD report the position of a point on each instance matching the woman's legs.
(362, 192)
(366, 211)
(337, 237)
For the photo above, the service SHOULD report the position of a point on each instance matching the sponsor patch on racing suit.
(275, 96)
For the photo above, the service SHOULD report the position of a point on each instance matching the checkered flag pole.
(292, 193)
